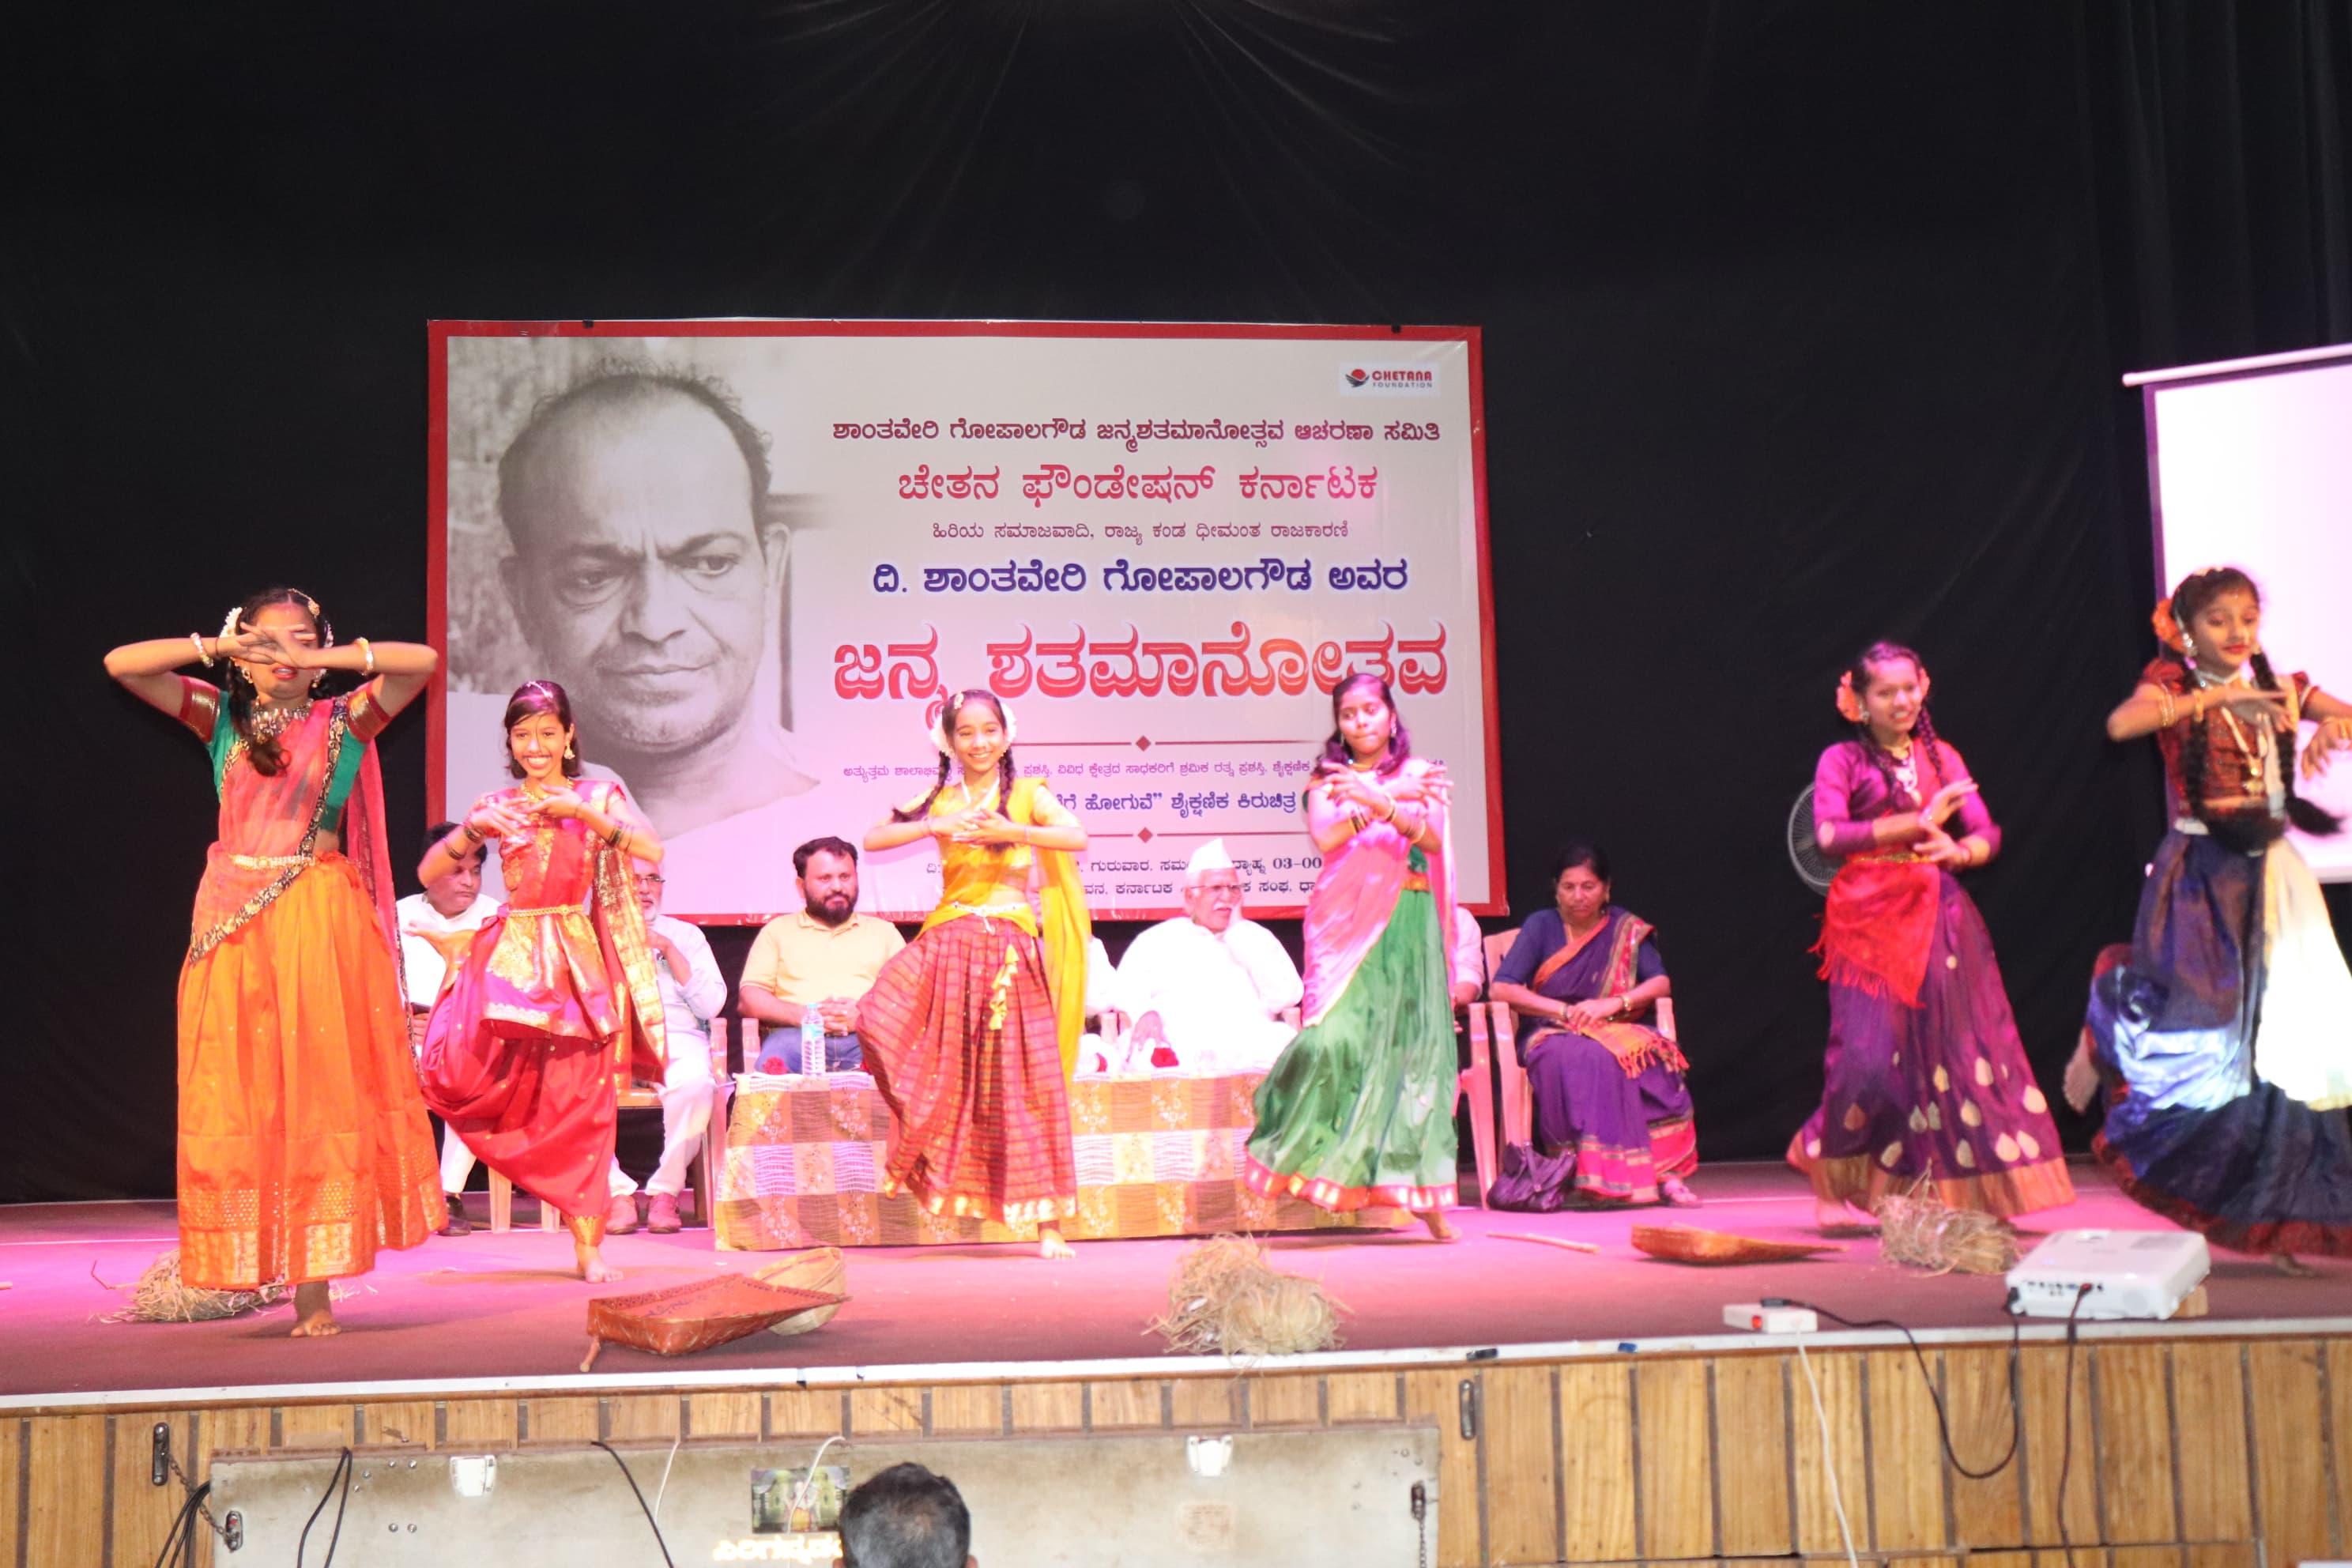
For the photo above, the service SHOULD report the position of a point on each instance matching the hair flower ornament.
(2168, 629)
(1849, 704)
(941, 725)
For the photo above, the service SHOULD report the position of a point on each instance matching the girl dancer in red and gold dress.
(557, 1001)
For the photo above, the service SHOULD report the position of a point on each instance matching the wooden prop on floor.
(1690, 1244)
(684, 1319)
(1560, 1241)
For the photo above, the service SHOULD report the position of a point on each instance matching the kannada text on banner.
(759, 554)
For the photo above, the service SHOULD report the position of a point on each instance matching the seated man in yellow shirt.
(822, 958)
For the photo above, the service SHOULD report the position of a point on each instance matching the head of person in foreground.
(905, 1517)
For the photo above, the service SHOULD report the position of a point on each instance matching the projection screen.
(2250, 463)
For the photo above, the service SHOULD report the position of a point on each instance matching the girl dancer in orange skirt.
(303, 1146)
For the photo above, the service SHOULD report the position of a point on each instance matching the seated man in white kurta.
(1210, 986)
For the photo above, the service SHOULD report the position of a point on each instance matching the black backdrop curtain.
(1802, 323)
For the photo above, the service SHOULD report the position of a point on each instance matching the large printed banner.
(759, 555)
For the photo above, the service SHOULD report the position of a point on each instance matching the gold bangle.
(367, 654)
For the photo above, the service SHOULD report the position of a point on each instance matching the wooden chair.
(636, 1096)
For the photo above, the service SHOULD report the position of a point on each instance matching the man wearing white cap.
(1210, 986)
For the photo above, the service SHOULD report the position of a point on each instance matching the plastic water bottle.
(812, 1042)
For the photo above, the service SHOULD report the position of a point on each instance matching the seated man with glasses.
(692, 992)
(1209, 988)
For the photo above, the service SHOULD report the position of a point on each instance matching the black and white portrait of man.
(641, 560)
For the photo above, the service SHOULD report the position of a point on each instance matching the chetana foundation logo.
(1379, 379)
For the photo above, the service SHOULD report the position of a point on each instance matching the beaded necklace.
(268, 724)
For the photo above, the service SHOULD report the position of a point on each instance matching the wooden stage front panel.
(2188, 1452)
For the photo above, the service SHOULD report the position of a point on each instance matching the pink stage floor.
(485, 1307)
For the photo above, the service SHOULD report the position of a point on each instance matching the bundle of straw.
(1224, 1298)
(161, 1297)
(1920, 1229)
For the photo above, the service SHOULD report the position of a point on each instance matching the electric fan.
(1815, 868)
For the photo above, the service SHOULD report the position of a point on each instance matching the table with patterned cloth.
(1156, 1156)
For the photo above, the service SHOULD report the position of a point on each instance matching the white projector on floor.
(2109, 1274)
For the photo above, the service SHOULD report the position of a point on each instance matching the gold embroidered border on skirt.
(964, 1206)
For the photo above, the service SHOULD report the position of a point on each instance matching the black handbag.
(1530, 1181)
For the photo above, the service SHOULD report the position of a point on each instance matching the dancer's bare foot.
(592, 1267)
(314, 1312)
(1675, 1191)
(2081, 1084)
(1050, 1245)
(1840, 1217)
(2293, 1268)
(1435, 1220)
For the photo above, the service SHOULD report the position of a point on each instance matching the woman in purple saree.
(1613, 1115)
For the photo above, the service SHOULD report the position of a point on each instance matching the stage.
(483, 1313)
(1587, 1407)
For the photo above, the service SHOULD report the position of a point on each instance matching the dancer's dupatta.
(1357, 890)
(1065, 928)
(641, 1048)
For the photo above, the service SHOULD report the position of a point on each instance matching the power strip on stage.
(1766, 1320)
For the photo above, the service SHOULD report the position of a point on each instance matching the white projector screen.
(2250, 463)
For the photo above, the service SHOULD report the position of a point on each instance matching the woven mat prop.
(1690, 1244)
(1920, 1229)
(1224, 1298)
(683, 1319)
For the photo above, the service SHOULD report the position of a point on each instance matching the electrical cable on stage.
(663, 1490)
(1828, 1459)
(1943, 1423)
(2066, 1424)
(343, 1471)
(179, 1546)
(651, 1521)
